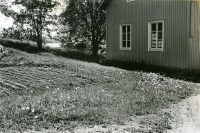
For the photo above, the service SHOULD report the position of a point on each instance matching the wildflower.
(23, 108)
(68, 97)
(47, 87)
(36, 117)
(27, 108)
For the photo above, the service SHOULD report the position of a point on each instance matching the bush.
(3, 52)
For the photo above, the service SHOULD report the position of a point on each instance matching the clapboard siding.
(181, 35)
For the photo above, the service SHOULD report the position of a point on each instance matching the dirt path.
(186, 116)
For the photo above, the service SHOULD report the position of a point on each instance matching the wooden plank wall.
(180, 50)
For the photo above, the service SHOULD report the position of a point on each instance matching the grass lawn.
(46, 92)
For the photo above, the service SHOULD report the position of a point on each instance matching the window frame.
(121, 34)
(149, 35)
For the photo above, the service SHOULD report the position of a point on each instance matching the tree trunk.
(40, 46)
(39, 42)
(95, 48)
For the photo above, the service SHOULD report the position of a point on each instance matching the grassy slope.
(43, 91)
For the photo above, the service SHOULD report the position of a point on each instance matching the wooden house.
(157, 32)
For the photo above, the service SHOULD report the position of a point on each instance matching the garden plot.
(38, 77)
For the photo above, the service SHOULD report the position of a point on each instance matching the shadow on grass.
(72, 54)
(20, 45)
(191, 75)
(31, 47)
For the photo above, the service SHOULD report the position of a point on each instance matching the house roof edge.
(102, 5)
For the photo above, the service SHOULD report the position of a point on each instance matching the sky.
(6, 22)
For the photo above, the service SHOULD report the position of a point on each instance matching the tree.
(62, 34)
(11, 32)
(84, 20)
(36, 14)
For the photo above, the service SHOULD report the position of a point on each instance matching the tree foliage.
(15, 32)
(85, 21)
(35, 14)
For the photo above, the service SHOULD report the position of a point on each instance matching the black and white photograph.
(99, 66)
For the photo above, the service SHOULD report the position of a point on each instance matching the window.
(156, 35)
(125, 37)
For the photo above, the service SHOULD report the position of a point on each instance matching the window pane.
(153, 44)
(128, 44)
(153, 27)
(128, 28)
(159, 26)
(159, 35)
(160, 44)
(124, 44)
(124, 29)
(124, 37)
(129, 36)
(153, 36)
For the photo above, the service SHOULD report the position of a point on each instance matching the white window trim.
(149, 36)
(121, 43)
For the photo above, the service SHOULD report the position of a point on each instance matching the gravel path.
(186, 116)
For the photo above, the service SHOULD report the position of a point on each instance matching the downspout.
(190, 23)
(106, 34)
(187, 50)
